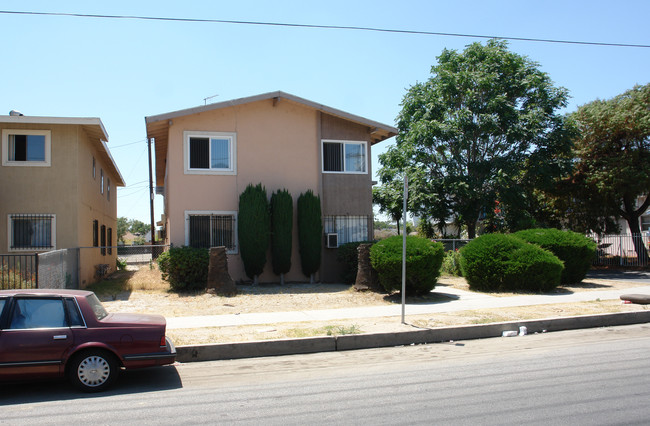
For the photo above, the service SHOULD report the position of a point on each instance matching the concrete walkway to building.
(457, 300)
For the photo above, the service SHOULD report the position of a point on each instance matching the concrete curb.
(223, 351)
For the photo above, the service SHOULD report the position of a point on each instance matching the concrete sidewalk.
(458, 300)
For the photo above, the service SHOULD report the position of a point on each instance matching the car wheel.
(93, 371)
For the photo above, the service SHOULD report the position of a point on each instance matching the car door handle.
(60, 337)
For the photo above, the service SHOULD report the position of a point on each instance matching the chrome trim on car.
(29, 363)
(139, 357)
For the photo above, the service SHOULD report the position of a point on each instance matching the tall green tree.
(310, 233)
(281, 232)
(253, 229)
(613, 156)
(485, 127)
(122, 227)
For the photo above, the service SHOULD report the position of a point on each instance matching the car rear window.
(98, 309)
(2, 305)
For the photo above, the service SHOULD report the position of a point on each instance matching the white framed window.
(205, 229)
(101, 181)
(21, 147)
(212, 153)
(349, 229)
(345, 157)
(31, 232)
(108, 189)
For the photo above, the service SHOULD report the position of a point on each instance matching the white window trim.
(5, 148)
(232, 137)
(344, 142)
(189, 213)
(10, 232)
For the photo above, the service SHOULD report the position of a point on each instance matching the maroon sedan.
(57, 333)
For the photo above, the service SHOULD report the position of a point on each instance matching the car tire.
(93, 371)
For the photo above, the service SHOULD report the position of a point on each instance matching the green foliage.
(185, 268)
(310, 232)
(120, 264)
(254, 229)
(451, 263)
(134, 226)
(425, 229)
(500, 262)
(484, 127)
(575, 250)
(348, 256)
(423, 262)
(281, 231)
(613, 157)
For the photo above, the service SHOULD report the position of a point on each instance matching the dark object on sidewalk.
(366, 276)
(640, 299)
(218, 277)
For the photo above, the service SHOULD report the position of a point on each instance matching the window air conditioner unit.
(332, 240)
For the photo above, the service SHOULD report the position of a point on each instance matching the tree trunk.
(471, 229)
(637, 239)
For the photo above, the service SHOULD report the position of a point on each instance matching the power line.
(327, 27)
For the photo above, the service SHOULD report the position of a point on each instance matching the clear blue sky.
(124, 70)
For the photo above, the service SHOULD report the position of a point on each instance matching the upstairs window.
(210, 153)
(344, 157)
(26, 148)
(32, 231)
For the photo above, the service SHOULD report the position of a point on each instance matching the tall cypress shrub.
(281, 232)
(253, 228)
(310, 233)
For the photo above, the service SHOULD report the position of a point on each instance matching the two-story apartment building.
(58, 189)
(206, 156)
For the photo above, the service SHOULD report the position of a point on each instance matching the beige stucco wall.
(65, 189)
(345, 194)
(276, 145)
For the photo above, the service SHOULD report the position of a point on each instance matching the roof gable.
(158, 125)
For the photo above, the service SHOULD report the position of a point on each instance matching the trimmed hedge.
(575, 250)
(423, 262)
(310, 232)
(186, 268)
(499, 262)
(253, 229)
(281, 231)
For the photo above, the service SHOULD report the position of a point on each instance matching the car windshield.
(98, 309)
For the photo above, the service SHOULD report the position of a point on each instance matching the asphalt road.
(598, 376)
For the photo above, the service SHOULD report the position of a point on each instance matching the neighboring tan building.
(58, 186)
(206, 156)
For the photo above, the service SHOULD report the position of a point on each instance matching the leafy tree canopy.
(612, 167)
(483, 128)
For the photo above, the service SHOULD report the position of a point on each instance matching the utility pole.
(151, 195)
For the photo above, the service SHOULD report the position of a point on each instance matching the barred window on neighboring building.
(205, 230)
(32, 231)
(103, 237)
(110, 241)
(95, 233)
(348, 228)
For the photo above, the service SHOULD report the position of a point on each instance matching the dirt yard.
(143, 291)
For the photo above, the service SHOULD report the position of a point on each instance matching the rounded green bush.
(575, 250)
(498, 262)
(423, 262)
(185, 268)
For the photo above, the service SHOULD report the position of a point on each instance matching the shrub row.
(185, 268)
(423, 262)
